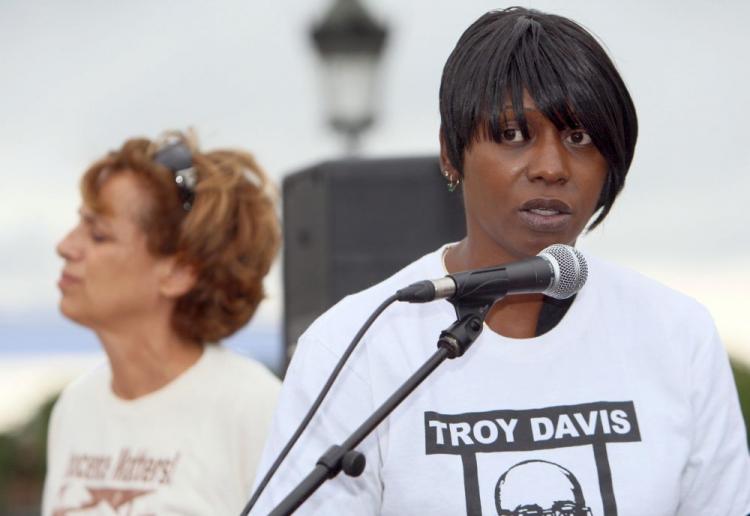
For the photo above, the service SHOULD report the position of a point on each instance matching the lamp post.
(350, 44)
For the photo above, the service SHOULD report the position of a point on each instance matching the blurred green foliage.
(23, 453)
(742, 377)
(23, 457)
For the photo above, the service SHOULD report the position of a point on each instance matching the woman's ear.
(448, 171)
(445, 163)
(176, 278)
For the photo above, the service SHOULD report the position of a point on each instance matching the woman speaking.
(618, 400)
(168, 257)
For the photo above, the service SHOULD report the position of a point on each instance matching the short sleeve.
(716, 479)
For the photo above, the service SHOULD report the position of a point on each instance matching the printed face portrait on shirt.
(558, 491)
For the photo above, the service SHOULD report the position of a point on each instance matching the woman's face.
(522, 195)
(109, 278)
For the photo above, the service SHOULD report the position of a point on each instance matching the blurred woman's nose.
(69, 247)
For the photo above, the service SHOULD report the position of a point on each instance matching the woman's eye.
(579, 137)
(97, 237)
(512, 135)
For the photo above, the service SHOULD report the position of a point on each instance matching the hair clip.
(177, 157)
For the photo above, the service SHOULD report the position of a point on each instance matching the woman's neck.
(143, 360)
(514, 316)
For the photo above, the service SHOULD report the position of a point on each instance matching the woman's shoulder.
(224, 366)
(237, 387)
(85, 391)
(631, 289)
(88, 384)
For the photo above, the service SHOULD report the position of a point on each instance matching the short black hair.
(565, 70)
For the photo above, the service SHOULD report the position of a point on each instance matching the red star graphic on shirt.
(115, 498)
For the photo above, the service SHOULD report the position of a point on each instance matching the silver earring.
(453, 182)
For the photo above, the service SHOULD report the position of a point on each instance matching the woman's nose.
(548, 162)
(69, 247)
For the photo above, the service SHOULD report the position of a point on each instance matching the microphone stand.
(453, 342)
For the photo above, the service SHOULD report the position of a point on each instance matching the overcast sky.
(80, 76)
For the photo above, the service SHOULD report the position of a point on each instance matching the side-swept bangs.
(562, 67)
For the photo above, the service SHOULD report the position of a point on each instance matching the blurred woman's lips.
(546, 215)
(67, 280)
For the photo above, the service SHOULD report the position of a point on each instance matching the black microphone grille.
(570, 267)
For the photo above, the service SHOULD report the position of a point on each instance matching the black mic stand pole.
(453, 342)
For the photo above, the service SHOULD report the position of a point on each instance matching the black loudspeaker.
(351, 223)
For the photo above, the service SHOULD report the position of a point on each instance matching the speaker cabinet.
(351, 223)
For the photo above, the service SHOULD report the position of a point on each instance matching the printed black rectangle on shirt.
(533, 429)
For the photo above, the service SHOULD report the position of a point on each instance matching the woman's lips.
(66, 280)
(546, 215)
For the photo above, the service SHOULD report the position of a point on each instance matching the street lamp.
(350, 44)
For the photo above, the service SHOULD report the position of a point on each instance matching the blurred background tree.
(23, 456)
(742, 377)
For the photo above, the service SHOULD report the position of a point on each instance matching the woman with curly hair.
(168, 258)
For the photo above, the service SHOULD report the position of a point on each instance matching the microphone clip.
(457, 338)
(460, 335)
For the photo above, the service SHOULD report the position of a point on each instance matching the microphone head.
(570, 270)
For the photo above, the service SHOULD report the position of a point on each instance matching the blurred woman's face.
(109, 278)
(524, 194)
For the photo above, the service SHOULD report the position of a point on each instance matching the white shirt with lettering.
(190, 448)
(627, 407)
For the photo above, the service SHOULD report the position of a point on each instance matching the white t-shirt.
(189, 448)
(627, 407)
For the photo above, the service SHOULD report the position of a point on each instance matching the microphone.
(558, 271)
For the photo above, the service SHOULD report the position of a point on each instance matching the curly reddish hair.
(230, 236)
